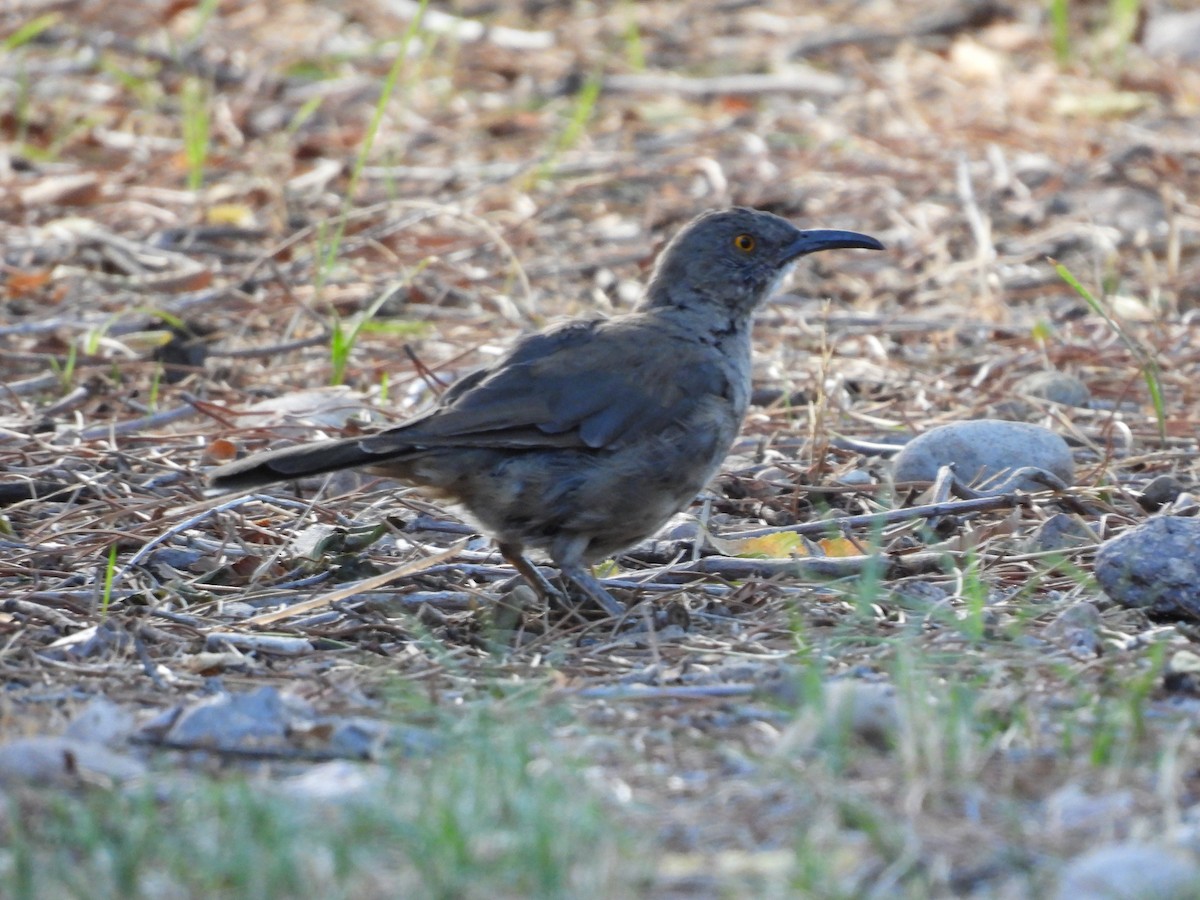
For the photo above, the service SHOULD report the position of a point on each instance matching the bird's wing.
(584, 385)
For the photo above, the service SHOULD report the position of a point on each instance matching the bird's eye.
(744, 242)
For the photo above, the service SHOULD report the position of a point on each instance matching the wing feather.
(564, 388)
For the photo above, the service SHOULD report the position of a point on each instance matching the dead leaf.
(19, 283)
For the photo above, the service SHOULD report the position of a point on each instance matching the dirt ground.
(201, 258)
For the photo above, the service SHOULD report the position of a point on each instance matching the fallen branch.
(811, 567)
(877, 520)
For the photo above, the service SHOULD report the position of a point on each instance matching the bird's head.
(734, 258)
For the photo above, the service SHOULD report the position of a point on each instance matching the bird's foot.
(591, 587)
(580, 577)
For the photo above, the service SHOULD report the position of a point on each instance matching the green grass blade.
(1149, 366)
(109, 570)
(1060, 29)
(30, 30)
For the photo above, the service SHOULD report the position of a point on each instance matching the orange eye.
(744, 242)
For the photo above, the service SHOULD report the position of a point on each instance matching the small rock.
(866, 710)
(984, 450)
(354, 737)
(855, 478)
(1077, 630)
(1155, 567)
(1159, 492)
(1130, 872)
(336, 780)
(1186, 504)
(268, 721)
(1072, 809)
(1060, 532)
(920, 596)
(101, 722)
(1182, 673)
(253, 720)
(64, 761)
(1173, 34)
(1057, 387)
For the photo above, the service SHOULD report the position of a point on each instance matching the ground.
(230, 224)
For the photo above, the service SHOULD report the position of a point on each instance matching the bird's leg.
(572, 570)
(532, 574)
(567, 553)
(583, 579)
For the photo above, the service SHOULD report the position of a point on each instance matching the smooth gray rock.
(101, 721)
(1130, 872)
(1155, 566)
(866, 711)
(45, 760)
(1077, 629)
(1160, 491)
(268, 721)
(256, 719)
(1057, 387)
(985, 450)
(1059, 532)
(1173, 34)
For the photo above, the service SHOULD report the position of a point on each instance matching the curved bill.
(828, 239)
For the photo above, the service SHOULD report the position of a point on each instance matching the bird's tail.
(287, 463)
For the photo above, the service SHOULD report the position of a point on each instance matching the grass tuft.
(1151, 372)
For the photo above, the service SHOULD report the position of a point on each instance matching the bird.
(585, 438)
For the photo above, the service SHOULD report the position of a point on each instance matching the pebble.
(982, 450)
(1071, 809)
(1060, 532)
(1173, 34)
(1130, 871)
(267, 720)
(1155, 566)
(920, 595)
(855, 478)
(46, 760)
(866, 710)
(1160, 492)
(1077, 630)
(1057, 387)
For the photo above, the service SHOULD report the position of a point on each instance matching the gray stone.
(985, 450)
(1060, 532)
(44, 760)
(1057, 387)
(1155, 567)
(1130, 872)
(1077, 630)
(1173, 34)
(252, 720)
(1075, 810)
(101, 722)
(866, 711)
(1159, 492)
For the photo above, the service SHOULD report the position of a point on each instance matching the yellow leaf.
(782, 545)
(237, 214)
(840, 546)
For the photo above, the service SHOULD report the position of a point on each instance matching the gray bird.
(585, 438)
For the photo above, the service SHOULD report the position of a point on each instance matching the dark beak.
(807, 242)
